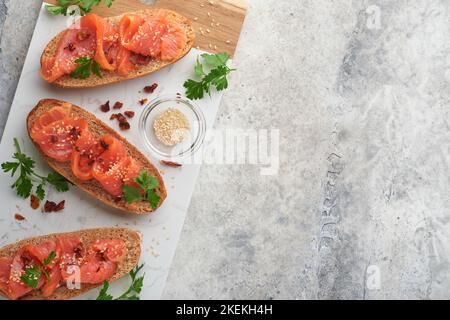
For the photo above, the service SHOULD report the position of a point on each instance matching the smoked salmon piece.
(67, 139)
(53, 281)
(113, 46)
(112, 178)
(157, 38)
(80, 40)
(5, 270)
(58, 139)
(94, 265)
(16, 287)
(112, 249)
(53, 115)
(96, 270)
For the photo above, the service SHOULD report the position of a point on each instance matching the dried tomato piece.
(118, 105)
(51, 206)
(105, 107)
(143, 101)
(19, 217)
(151, 89)
(170, 164)
(34, 202)
(124, 125)
(129, 114)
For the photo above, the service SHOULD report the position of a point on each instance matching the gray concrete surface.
(360, 208)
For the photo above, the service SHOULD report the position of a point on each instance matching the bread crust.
(92, 187)
(112, 77)
(132, 241)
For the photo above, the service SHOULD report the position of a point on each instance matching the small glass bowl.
(195, 136)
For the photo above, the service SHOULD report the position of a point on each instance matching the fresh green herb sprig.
(86, 65)
(31, 277)
(133, 292)
(33, 274)
(84, 6)
(27, 176)
(217, 76)
(148, 184)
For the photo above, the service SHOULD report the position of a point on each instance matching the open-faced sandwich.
(65, 265)
(97, 51)
(95, 158)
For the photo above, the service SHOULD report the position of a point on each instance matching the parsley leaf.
(40, 192)
(199, 69)
(133, 292)
(152, 198)
(194, 89)
(31, 277)
(50, 258)
(216, 60)
(85, 66)
(103, 294)
(24, 165)
(217, 76)
(60, 183)
(147, 184)
(84, 6)
(131, 194)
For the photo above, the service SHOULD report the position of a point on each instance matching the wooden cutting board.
(218, 23)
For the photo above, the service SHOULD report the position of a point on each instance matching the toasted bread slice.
(132, 242)
(112, 77)
(98, 129)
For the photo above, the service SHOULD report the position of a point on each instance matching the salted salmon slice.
(173, 43)
(128, 27)
(72, 252)
(114, 151)
(113, 167)
(86, 151)
(52, 283)
(95, 270)
(58, 139)
(80, 40)
(111, 249)
(16, 287)
(157, 38)
(52, 115)
(5, 270)
(112, 178)
(42, 251)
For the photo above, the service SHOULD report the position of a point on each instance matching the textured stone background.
(363, 188)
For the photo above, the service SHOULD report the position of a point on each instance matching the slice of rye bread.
(132, 242)
(112, 77)
(94, 188)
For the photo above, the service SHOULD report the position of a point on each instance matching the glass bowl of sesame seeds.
(172, 127)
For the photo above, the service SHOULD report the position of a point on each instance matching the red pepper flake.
(104, 145)
(151, 89)
(105, 107)
(170, 164)
(51, 206)
(34, 202)
(70, 47)
(129, 114)
(114, 116)
(19, 217)
(143, 101)
(118, 105)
